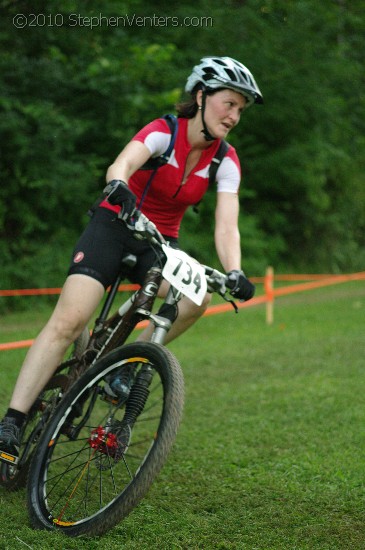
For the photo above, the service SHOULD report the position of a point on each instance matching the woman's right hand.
(118, 193)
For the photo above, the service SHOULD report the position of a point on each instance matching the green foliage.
(73, 95)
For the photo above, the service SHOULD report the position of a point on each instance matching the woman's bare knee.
(198, 311)
(78, 301)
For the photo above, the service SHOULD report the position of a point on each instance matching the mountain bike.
(95, 455)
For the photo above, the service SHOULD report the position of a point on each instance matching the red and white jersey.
(169, 196)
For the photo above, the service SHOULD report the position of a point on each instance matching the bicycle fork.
(162, 322)
(138, 395)
(166, 316)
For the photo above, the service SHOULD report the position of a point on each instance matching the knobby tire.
(92, 467)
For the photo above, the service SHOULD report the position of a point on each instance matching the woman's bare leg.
(79, 298)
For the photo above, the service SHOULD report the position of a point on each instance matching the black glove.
(119, 193)
(240, 286)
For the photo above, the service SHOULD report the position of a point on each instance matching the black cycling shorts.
(104, 243)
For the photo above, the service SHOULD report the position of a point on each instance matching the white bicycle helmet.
(224, 72)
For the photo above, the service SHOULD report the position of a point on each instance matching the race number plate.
(185, 274)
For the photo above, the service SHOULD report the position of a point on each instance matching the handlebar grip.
(229, 283)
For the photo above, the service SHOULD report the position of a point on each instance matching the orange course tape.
(322, 281)
(50, 291)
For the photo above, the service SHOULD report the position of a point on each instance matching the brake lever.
(219, 286)
(143, 228)
(132, 220)
(139, 224)
(232, 302)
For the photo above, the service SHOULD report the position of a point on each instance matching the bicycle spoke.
(63, 510)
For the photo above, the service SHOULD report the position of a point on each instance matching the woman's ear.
(199, 98)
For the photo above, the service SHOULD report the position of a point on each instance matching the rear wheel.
(14, 477)
(98, 457)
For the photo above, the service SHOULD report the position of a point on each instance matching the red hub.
(103, 441)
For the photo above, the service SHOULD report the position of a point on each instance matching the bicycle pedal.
(8, 458)
(68, 430)
(110, 399)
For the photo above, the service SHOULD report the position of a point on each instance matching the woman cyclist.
(220, 89)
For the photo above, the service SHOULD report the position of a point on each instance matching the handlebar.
(143, 228)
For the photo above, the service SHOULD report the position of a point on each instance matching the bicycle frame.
(136, 308)
(113, 332)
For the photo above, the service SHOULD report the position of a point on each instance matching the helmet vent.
(219, 61)
(210, 71)
(231, 75)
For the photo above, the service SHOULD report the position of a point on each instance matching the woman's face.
(223, 111)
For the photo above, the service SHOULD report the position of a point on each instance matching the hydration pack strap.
(213, 169)
(155, 163)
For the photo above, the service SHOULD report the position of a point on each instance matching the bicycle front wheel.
(98, 457)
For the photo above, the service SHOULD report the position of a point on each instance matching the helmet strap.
(207, 135)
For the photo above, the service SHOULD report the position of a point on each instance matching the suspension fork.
(166, 315)
(162, 321)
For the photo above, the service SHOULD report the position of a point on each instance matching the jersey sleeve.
(156, 136)
(229, 173)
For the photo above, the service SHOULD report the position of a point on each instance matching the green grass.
(271, 451)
